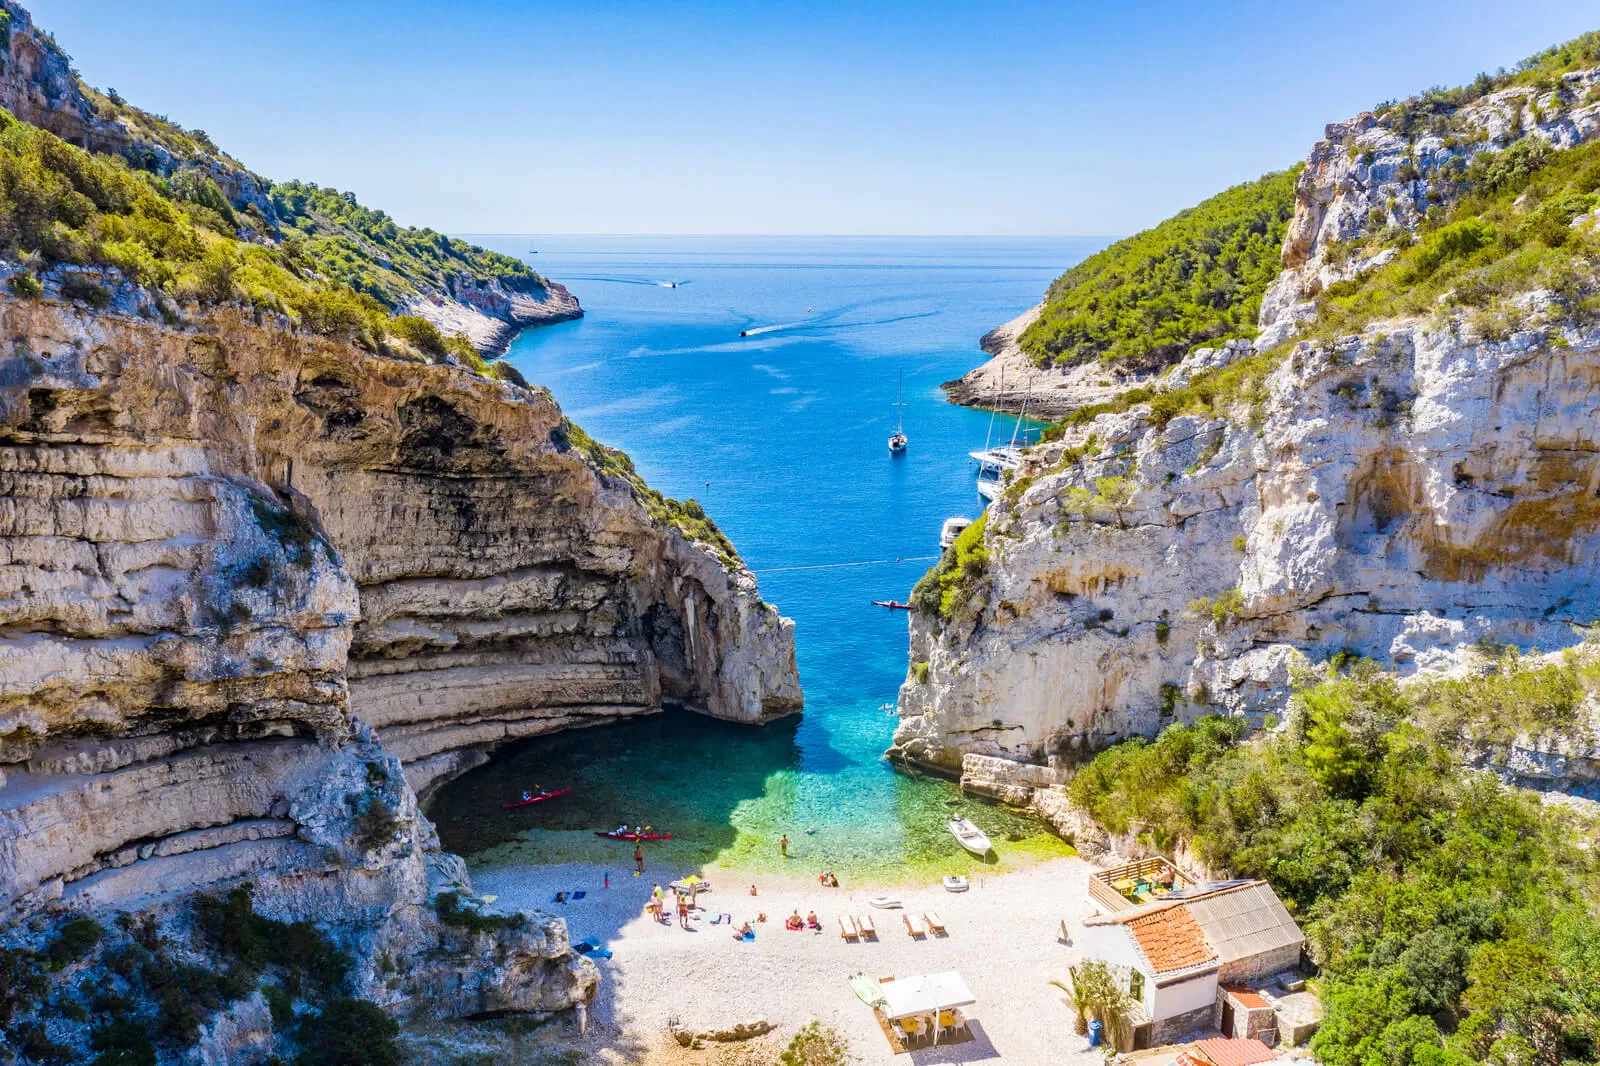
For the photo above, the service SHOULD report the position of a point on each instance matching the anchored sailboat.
(994, 462)
(898, 442)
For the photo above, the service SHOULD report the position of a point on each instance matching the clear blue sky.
(822, 117)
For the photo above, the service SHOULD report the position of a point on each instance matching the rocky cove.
(217, 647)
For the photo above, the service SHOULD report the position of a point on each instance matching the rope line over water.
(834, 566)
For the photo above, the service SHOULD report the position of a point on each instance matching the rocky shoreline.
(1011, 377)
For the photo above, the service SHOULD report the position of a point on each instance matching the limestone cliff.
(1399, 493)
(258, 588)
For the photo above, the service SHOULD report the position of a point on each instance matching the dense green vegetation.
(179, 238)
(688, 515)
(948, 590)
(365, 250)
(1148, 299)
(1453, 918)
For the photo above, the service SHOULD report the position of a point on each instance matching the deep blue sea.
(781, 435)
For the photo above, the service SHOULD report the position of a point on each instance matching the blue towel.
(600, 953)
(579, 895)
(750, 935)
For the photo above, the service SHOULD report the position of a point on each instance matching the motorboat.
(952, 528)
(894, 604)
(969, 836)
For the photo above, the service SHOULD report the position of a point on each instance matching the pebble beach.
(1003, 937)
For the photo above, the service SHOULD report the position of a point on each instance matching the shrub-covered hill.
(1147, 299)
(88, 179)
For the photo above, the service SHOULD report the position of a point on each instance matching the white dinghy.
(969, 836)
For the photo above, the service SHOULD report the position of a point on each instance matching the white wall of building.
(1183, 996)
(1114, 945)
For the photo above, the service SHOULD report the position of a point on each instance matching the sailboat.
(897, 442)
(994, 462)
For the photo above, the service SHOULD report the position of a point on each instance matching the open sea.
(781, 434)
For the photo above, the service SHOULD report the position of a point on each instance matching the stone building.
(1192, 956)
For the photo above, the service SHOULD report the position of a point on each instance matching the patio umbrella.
(908, 997)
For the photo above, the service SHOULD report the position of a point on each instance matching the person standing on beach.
(638, 859)
(683, 911)
(783, 845)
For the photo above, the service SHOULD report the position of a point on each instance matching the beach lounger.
(864, 923)
(935, 923)
(914, 926)
(847, 928)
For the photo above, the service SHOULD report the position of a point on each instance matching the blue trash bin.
(1094, 1034)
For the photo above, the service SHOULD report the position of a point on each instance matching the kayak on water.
(630, 835)
(540, 798)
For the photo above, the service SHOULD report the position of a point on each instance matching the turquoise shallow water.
(781, 435)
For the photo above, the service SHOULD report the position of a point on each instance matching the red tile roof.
(1226, 1052)
(1171, 939)
(1246, 997)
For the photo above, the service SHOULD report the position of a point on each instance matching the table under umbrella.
(910, 997)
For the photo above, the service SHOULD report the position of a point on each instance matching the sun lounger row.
(929, 923)
(855, 928)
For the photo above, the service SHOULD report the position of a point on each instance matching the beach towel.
(751, 935)
(579, 895)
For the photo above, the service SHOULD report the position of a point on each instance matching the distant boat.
(898, 442)
(895, 604)
(969, 836)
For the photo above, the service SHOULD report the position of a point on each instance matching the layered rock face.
(251, 582)
(490, 313)
(1399, 494)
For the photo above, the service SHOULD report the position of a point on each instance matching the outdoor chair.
(864, 923)
(914, 926)
(935, 923)
(847, 928)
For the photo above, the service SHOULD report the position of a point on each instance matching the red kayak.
(540, 798)
(895, 604)
(633, 836)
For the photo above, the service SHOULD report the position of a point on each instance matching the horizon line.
(911, 236)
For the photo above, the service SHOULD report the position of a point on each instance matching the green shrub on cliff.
(1197, 277)
(688, 516)
(1450, 914)
(948, 590)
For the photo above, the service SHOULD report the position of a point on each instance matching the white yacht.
(953, 528)
(993, 463)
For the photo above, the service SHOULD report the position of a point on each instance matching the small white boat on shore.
(969, 836)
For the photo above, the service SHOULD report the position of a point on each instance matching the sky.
(491, 116)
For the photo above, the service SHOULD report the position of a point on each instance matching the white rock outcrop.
(1402, 494)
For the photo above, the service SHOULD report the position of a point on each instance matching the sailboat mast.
(900, 405)
(988, 437)
(1015, 429)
